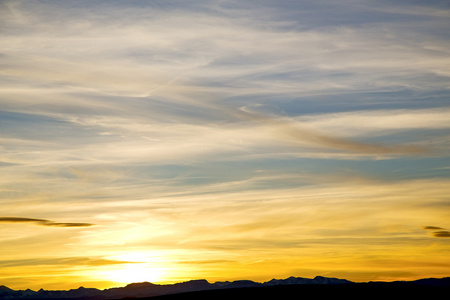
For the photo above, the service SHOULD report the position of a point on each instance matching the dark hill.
(290, 288)
(383, 291)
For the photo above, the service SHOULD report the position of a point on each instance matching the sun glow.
(142, 267)
(136, 272)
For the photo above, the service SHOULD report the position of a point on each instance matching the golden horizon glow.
(248, 242)
(143, 267)
(131, 273)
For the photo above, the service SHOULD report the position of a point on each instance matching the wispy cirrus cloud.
(209, 60)
(300, 134)
(42, 222)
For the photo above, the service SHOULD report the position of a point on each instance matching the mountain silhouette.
(241, 289)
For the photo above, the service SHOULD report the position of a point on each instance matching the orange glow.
(130, 273)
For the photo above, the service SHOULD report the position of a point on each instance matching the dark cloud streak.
(42, 222)
(432, 228)
(442, 234)
(66, 261)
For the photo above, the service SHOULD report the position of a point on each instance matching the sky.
(165, 141)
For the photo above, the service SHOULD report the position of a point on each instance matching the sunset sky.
(165, 141)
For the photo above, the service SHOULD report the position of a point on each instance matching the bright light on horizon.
(135, 272)
(143, 267)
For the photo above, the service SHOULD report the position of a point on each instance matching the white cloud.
(378, 122)
(147, 52)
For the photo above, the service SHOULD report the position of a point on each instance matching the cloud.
(441, 234)
(379, 122)
(296, 133)
(432, 228)
(154, 58)
(42, 222)
(205, 262)
(66, 261)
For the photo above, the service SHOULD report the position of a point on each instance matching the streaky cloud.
(442, 234)
(75, 261)
(67, 224)
(18, 220)
(432, 228)
(42, 222)
(295, 133)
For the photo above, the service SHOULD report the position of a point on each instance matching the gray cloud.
(18, 220)
(71, 261)
(42, 222)
(441, 234)
(432, 228)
